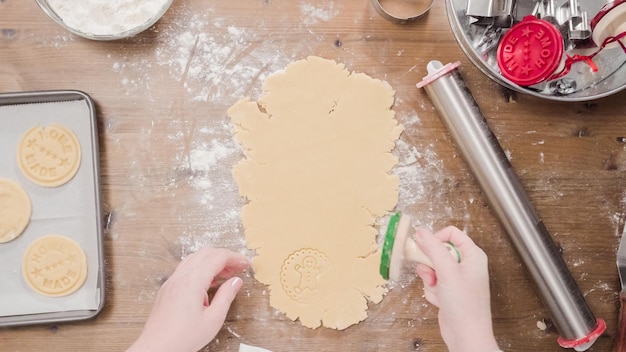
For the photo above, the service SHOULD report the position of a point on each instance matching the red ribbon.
(588, 59)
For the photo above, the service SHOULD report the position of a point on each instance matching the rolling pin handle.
(584, 343)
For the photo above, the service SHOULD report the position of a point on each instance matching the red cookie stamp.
(530, 52)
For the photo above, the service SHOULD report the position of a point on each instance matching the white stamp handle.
(413, 253)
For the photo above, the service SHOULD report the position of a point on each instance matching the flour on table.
(314, 13)
(316, 174)
(215, 59)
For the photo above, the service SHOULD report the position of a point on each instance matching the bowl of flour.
(105, 19)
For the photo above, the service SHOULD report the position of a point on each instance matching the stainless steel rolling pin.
(572, 317)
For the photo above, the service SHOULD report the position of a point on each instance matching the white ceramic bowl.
(100, 35)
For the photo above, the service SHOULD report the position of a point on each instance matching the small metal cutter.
(422, 7)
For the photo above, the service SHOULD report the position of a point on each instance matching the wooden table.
(167, 151)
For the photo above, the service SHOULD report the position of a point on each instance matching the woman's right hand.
(460, 290)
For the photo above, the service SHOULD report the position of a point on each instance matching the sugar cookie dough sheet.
(71, 209)
(316, 174)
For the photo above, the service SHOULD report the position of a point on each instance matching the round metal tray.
(480, 44)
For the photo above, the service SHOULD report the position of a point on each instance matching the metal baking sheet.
(72, 210)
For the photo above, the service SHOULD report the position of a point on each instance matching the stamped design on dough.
(49, 155)
(54, 266)
(15, 210)
(302, 273)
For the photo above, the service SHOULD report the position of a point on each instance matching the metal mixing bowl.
(480, 42)
(45, 6)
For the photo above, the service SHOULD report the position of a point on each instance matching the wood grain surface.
(167, 151)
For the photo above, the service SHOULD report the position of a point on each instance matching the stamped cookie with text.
(49, 155)
(54, 266)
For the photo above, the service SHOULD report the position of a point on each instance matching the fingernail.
(236, 283)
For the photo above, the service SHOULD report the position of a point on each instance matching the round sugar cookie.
(54, 266)
(15, 210)
(49, 155)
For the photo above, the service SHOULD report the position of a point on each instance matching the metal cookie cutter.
(491, 12)
(418, 9)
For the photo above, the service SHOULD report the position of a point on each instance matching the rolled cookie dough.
(316, 174)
